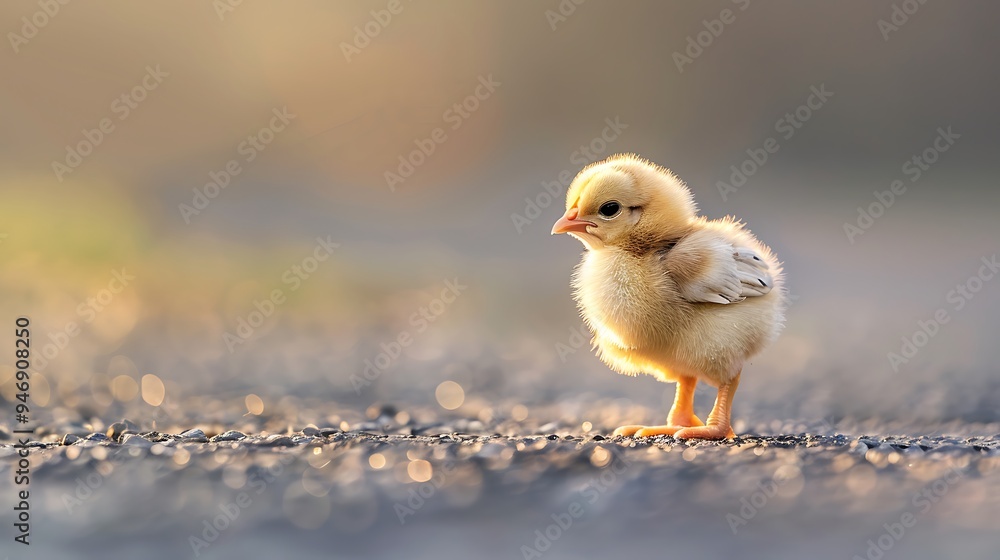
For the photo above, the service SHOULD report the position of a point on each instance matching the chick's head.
(626, 202)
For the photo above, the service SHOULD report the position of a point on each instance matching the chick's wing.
(709, 268)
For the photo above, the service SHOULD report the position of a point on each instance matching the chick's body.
(666, 292)
(642, 323)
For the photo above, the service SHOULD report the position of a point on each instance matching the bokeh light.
(450, 395)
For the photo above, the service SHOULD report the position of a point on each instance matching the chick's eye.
(609, 209)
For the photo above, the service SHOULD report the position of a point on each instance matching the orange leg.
(681, 414)
(718, 426)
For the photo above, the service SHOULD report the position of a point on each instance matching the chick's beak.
(569, 223)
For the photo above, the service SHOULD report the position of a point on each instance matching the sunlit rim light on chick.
(667, 292)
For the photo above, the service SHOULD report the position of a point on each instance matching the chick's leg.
(718, 426)
(681, 414)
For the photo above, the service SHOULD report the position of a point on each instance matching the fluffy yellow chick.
(667, 292)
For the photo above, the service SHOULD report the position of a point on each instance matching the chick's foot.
(650, 431)
(712, 431)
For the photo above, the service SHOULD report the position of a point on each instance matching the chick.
(667, 292)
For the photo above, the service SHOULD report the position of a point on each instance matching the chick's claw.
(627, 431)
(651, 431)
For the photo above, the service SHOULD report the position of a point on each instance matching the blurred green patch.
(75, 225)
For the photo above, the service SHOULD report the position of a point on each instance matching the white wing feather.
(730, 274)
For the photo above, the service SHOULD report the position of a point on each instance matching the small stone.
(70, 439)
(136, 440)
(97, 436)
(599, 438)
(230, 435)
(277, 441)
(194, 434)
(387, 410)
(311, 430)
(329, 431)
(118, 429)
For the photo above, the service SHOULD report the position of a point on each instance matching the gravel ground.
(426, 483)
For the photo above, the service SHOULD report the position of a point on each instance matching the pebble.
(70, 439)
(230, 435)
(277, 441)
(194, 434)
(312, 431)
(387, 410)
(136, 440)
(118, 429)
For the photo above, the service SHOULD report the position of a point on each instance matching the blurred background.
(252, 202)
(219, 75)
